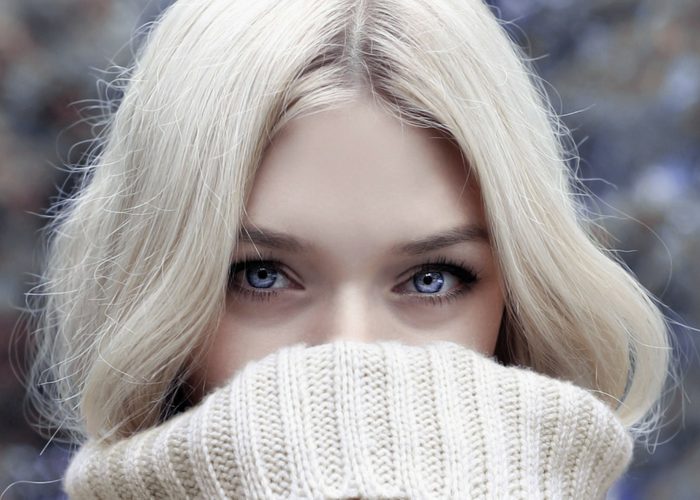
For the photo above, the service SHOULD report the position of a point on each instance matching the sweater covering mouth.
(380, 420)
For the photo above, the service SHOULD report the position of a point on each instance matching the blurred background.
(624, 74)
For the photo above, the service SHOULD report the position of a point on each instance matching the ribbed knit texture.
(370, 420)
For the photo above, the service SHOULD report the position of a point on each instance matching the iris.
(428, 282)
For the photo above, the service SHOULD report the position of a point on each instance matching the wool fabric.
(382, 420)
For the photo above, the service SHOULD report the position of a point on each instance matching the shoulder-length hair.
(137, 259)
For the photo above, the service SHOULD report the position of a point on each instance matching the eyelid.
(460, 269)
(265, 255)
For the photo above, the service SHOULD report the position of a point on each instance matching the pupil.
(262, 274)
(427, 280)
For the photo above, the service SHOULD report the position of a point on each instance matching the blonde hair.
(137, 263)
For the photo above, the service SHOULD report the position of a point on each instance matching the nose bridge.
(352, 316)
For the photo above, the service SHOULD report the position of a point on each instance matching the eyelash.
(463, 272)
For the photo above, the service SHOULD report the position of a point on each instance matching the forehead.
(357, 170)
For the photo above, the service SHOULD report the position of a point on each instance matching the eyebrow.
(285, 242)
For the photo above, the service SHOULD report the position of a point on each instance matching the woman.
(438, 320)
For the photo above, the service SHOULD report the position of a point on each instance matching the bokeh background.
(624, 74)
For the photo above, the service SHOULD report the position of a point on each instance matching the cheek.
(489, 316)
(476, 323)
(242, 337)
(489, 307)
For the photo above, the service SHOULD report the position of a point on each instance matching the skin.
(354, 183)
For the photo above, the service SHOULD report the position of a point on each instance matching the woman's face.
(367, 230)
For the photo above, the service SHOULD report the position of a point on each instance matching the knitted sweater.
(370, 420)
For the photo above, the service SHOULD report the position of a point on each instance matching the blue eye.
(429, 282)
(259, 274)
(431, 277)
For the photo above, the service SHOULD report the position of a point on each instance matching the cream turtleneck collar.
(370, 420)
